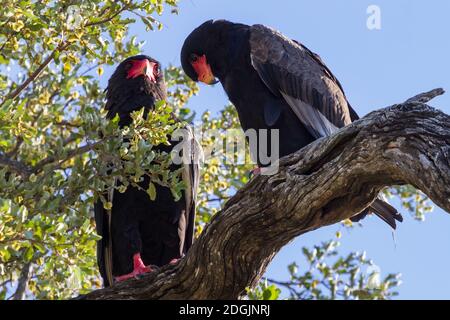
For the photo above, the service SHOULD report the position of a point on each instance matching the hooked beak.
(203, 70)
(151, 70)
(143, 68)
(208, 77)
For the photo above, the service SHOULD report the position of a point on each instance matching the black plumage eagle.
(274, 83)
(138, 233)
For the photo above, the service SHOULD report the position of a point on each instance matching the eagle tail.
(383, 210)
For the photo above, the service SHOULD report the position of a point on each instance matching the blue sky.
(410, 54)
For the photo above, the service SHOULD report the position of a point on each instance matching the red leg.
(138, 268)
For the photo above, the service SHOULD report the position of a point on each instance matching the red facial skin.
(203, 70)
(143, 68)
(138, 268)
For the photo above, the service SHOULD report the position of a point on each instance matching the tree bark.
(329, 180)
(22, 283)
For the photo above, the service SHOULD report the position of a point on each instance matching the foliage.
(264, 291)
(329, 275)
(221, 176)
(412, 200)
(58, 154)
(56, 146)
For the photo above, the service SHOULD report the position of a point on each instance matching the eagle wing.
(192, 159)
(292, 71)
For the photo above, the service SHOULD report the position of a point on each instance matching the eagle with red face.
(138, 233)
(274, 83)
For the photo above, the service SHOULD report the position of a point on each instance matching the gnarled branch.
(329, 180)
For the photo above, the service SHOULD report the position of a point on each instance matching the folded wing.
(292, 71)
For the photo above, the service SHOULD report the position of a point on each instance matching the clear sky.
(408, 55)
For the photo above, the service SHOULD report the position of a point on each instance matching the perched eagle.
(274, 83)
(137, 232)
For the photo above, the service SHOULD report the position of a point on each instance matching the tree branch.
(35, 74)
(70, 154)
(61, 47)
(25, 171)
(426, 96)
(15, 166)
(326, 182)
(115, 14)
(22, 283)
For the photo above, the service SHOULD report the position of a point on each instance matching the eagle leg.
(138, 268)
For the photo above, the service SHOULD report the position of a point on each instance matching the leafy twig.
(95, 23)
(72, 153)
(35, 74)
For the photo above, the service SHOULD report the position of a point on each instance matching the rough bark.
(329, 180)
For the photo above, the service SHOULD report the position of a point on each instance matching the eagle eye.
(156, 69)
(193, 57)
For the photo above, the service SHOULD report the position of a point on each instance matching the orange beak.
(142, 68)
(203, 70)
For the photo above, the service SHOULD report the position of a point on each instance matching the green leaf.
(29, 254)
(40, 247)
(271, 293)
(151, 191)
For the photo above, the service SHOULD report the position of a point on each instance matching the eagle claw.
(139, 269)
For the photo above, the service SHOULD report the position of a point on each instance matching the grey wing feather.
(292, 71)
(192, 159)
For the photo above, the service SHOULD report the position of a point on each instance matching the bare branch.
(65, 123)
(426, 96)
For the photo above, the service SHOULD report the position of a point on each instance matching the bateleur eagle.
(138, 233)
(274, 83)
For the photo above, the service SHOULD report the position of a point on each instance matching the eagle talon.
(139, 269)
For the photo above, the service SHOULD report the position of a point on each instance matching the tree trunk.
(329, 180)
